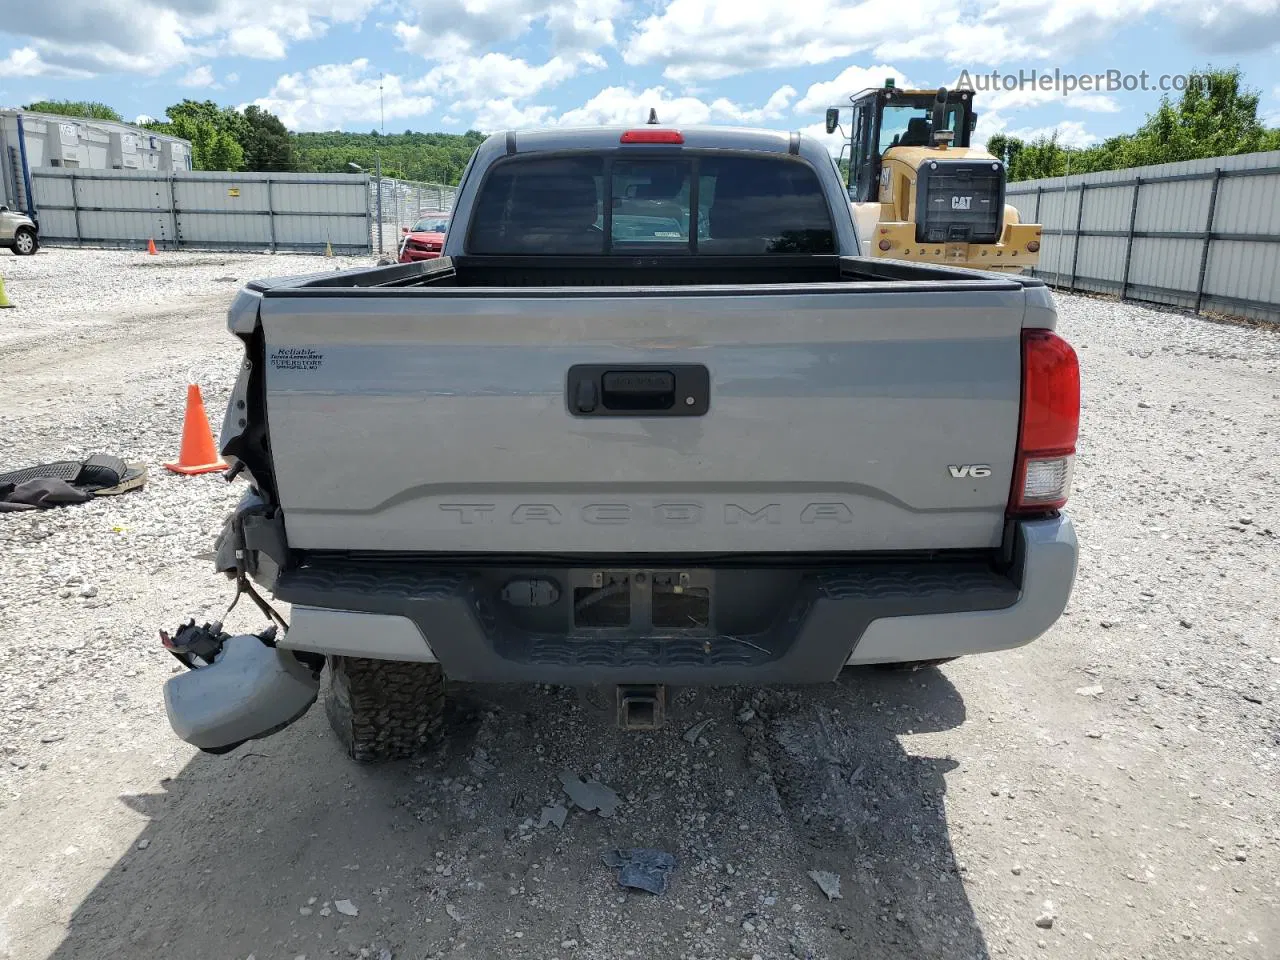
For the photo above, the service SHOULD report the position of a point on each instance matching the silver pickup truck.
(651, 420)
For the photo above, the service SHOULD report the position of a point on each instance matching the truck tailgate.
(836, 419)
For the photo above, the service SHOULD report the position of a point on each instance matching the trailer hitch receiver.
(642, 706)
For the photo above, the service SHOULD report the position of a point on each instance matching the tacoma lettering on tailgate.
(665, 514)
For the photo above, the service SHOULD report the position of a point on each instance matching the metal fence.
(401, 203)
(1203, 234)
(207, 211)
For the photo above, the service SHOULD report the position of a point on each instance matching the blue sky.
(492, 64)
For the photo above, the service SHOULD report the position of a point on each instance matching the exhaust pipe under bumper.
(250, 691)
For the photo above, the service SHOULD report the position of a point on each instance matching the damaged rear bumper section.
(759, 627)
(756, 626)
(250, 691)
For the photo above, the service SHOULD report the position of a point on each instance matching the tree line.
(1215, 119)
(224, 138)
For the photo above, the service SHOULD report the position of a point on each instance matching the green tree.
(1005, 148)
(1216, 116)
(267, 143)
(211, 147)
(1042, 157)
(215, 133)
(88, 109)
(1218, 121)
(434, 157)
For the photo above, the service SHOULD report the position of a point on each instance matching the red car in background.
(425, 239)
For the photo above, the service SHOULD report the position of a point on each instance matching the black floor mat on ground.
(99, 470)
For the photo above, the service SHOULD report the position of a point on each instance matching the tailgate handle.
(623, 390)
(638, 389)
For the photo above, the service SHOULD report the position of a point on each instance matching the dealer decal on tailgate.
(296, 358)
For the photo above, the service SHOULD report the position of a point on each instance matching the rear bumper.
(1008, 254)
(780, 626)
(1046, 571)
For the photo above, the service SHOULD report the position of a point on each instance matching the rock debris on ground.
(828, 883)
(1157, 834)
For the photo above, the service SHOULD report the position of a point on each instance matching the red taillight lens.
(1049, 424)
(652, 136)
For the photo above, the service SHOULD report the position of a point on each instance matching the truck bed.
(452, 273)
(430, 408)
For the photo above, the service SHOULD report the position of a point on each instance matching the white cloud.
(583, 25)
(1023, 99)
(470, 81)
(698, 40)
(257, 41)
(701, 40)
(493, 88)
(836, 93)
(1071, 133)
(142, 118)
(832, 141)
(26, 62)
(691, 41)
(442, 29)
(153, 36)
(773, 108)
(503, 114)
(1238, 26)
(199, 77)
(1228, 26)
(231, 79)
(619, 105)
(339, 94)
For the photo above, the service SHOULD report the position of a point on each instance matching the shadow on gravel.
(443, 857)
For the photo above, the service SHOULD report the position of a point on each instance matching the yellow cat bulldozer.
(920, 192)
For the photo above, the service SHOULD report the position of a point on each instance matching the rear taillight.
(1049, 423)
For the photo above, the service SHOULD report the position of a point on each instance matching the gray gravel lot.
(1109, 791)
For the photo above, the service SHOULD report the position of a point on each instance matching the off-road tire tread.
(384, 709)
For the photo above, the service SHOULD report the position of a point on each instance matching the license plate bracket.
(631, 602)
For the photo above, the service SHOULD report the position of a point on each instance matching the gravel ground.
(1107, 792)
(71, 292)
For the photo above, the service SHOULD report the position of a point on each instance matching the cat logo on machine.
(961, 203)
(974, 470)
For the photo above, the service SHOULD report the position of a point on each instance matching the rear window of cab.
(597, 204)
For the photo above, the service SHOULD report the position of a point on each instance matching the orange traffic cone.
(199, 454)
(151, 246)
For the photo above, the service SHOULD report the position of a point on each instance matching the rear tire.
(384, 709)
(25, 242)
